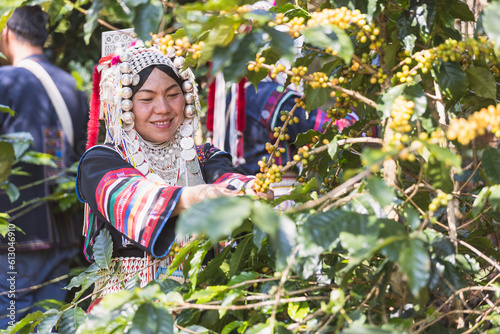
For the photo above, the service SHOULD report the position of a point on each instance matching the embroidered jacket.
(136, 211)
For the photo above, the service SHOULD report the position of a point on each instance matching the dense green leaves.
(215, 218)
(151, 318)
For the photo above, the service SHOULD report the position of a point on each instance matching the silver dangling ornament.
(128, 117)
(126, 105)
(126, 92)
(179, 62)
(189, 98)
(135, 79)
(126, 79)
(184, 75)
(125, 67)
(189, 111)
(187, 86)
(125, 56)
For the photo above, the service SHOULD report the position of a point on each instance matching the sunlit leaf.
(452, 80)
(6, 109)
(103, 248)
(482, 82)
(71, 320)
(381, 192)
(152, 319)
(414, 262)
(147, 18)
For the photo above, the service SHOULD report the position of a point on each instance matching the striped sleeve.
(136, 207)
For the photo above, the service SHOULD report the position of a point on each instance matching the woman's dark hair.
(146, 72)
(29, 25)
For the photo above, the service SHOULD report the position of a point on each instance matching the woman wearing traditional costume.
(149, 169)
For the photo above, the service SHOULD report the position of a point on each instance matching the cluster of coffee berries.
(258, 63)
(399, 141)
(401, 113)
(341, 107)
(329, 183)
(178, 47)
(277, 150)
(378, 77)
(303, 155)
(477, 124)
(268, 175)
(341, 17)
(453, 50)
(296, 24)
(174, 249)
(298, 73)
(320, 80)
(441, 199)
(276, 69)
(406, 74)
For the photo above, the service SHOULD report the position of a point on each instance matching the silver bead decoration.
(125, 56)
(170, 52)
(135, 79)
(125, 67)
(128, 117)
(126, 79)
(189, 98)
(187, 86)
(184, 75)
(179, 62)
(126, 92)
(189, 111)
(126, 105)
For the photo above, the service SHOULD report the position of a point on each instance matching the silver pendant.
(187, 143)
(193, 166)
(186, 130)
(188, 154)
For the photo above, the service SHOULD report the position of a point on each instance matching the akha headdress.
(175, 161)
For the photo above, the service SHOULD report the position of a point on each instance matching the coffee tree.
(394, 232)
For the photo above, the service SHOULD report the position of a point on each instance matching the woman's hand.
(249, 190)
(195, 194)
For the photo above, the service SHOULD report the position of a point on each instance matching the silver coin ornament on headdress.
(174, 162)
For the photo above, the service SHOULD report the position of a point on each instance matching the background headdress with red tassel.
(95, 101)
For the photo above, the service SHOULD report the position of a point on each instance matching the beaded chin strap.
(174, 162)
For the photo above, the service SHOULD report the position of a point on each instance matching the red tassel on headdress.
(240, 120)
(241, 105)
(210, 103)
(93, 123)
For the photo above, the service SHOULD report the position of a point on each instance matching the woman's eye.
(173, 94)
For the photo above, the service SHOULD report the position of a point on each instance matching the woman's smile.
(158, 107)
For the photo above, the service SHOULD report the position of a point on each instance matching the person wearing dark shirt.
(50, 241)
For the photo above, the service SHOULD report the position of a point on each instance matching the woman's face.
(158, 107)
